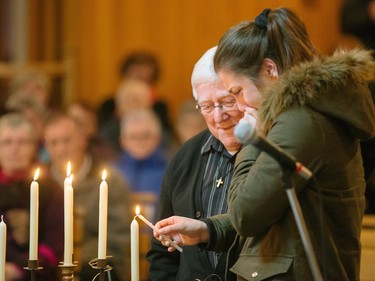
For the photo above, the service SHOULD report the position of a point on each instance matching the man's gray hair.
(16, 120)
(204, 71)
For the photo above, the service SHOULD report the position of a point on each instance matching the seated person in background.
(17, 168)
(131, 95)
(34, 111)
(86, 119)
(142, 161)
(143, 66)
(66, 142)
(34, 84)
(189, 121)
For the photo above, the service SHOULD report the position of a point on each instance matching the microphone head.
(245, 133)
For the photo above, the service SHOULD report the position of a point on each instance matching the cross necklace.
(220, 180)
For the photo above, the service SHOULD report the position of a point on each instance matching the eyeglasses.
(18, 142)
(207, 108)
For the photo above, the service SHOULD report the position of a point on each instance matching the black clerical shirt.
(217, 177)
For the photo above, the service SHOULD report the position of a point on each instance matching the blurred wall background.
(80, 43)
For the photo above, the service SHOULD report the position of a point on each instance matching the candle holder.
(67, 271)
(33, 266)
(101, 265)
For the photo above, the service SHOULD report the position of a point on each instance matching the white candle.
(103, 216)
(3, 244)
(146, 221)
(174, 244)
(68, 217)
(34, 216)
(134, 249)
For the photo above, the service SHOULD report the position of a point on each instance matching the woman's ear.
(269, 66)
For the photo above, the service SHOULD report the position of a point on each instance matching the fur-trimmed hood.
(336, 85)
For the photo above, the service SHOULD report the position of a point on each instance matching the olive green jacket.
(317, 112)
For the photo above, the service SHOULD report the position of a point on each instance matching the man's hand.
(184, 231)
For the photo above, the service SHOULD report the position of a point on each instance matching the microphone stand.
(298, 216)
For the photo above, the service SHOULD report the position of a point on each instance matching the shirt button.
(197, 214)
(254, 274)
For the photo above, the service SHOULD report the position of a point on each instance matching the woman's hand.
(184, 231)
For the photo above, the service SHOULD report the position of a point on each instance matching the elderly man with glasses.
(195, 184)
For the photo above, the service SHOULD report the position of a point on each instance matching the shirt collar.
(212, 143)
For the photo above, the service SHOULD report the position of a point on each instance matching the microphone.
(246, 133)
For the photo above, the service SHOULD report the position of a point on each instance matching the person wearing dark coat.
(196, 181)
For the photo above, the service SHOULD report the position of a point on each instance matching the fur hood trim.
(335, 85)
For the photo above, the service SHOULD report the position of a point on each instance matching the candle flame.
(36, 175)
(68, 169)
(137, 210)
(2, 218)
(104, 175)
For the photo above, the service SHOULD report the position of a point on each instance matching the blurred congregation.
(130, 135)
(66, 97)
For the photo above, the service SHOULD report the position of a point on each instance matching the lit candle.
(68, 217)
(174, 244)
(134, 248)
(34, 215)
(3, 244)
(103, 211)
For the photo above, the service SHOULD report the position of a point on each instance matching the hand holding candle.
(173, 243)
(34, 217)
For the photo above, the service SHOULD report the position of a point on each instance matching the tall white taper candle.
(103, 217)
(134, 248)
(68, 218)
(3, 245)
(34, 217)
